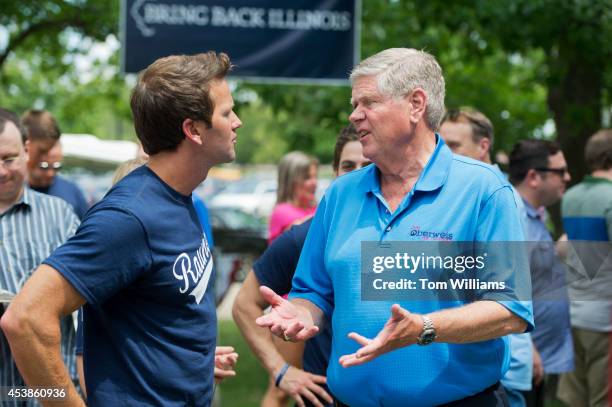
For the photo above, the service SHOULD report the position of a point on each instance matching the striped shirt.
(29, 231)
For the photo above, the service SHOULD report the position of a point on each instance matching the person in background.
(539, 173)
(303, 368)
(469, 132)
(45, 160)
(139, 261)
(32, 225)
(587, 219)
(295, 198)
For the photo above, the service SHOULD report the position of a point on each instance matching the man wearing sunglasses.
(46, 160)
(539, 172)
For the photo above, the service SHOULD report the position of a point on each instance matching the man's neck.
(7, 202)
(528, 195)
(400, 172)
(181, 173)
(407, 163)
(606, 174)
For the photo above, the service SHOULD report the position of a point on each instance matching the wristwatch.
(429, 332)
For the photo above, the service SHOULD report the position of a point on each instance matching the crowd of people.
(138, 266)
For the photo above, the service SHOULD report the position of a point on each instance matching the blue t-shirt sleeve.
(500, 228)
(275, 268)
(108, 252)
(203, 218)
(312, 281)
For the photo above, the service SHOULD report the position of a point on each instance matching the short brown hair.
(171, 90)
(347, 134)
(480, 124)
(40, 125)
(598, 150)
(530, 154)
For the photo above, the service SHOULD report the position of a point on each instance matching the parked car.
(240, 238)
(252, 195)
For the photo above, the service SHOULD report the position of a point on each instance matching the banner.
(303, 41)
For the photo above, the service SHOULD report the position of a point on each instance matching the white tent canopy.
(91, 148)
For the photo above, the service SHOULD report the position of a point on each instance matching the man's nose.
(356, 115)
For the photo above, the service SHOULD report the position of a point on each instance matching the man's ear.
(418, 100)
(192, 130)
(532, 177)
(484, 144)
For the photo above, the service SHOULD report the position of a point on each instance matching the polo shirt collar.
(432, 177)
(591, 179)
(26, 197)
(531, 211)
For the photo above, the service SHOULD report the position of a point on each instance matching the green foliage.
(249, 385)
(522, 62)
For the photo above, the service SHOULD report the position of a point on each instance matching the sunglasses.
(559, 171)
(45, 165)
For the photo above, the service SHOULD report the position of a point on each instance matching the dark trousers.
(493, 396)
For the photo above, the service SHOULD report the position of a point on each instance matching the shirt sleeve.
(500, 232)
(312, 281)
(70, 224)
(275, 268)
(108, 252)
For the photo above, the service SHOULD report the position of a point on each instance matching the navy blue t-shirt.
(69, 192)
(141, 261)
(275, 269)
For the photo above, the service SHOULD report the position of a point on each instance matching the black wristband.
(281, 374)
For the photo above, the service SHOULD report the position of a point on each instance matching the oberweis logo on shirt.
(194, 272)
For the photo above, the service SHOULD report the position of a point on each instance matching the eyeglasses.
(45, 165)
(9, 161)
(559, 171)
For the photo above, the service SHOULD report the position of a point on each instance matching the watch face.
(427, 337)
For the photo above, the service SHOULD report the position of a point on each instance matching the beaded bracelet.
(281, 374)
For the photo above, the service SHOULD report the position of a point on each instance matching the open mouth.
(363, 133)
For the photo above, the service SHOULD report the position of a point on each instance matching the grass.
(249, 385)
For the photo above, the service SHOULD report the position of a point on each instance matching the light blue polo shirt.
(455, 197)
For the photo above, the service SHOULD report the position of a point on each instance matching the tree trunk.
(575, 100)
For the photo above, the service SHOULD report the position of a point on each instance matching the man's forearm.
(259, 339)
(478, 321)
(36, 350)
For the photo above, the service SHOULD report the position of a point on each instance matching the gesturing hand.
(286, 320)
(401, 329)
(225, 362)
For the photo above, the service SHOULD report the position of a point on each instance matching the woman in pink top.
(295, 199)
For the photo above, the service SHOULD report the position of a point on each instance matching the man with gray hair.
(417, 190)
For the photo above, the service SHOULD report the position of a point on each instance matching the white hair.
(399, 71)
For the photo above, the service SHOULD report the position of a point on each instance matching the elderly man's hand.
(402, 329)
(225, 362)
(302, 385)
(286, 320)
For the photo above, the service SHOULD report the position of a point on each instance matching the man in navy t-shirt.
(140, 261)
(45, 160)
